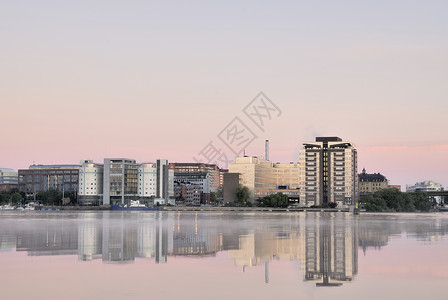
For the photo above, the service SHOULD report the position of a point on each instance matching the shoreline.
(195, 209)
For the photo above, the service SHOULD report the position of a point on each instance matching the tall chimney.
(266, 150)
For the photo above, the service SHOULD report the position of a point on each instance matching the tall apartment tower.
(329, 172)
(163, 179)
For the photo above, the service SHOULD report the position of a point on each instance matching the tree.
(395, 200)
(242, 194)
(275, 200)
(421, 201)
(49, 197)
(213, 197)
(16, 198)
(13, 197)
(375, 203)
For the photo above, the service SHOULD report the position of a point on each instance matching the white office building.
(90, 187)
(147, 180)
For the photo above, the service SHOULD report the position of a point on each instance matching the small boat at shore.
(7, 207)
(134, 205)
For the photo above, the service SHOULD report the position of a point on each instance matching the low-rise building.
(200, 179)
(187, 193)
(395, 186)
(63, 178)
(231, 183)
(263, 177)
(214, 172)
(371, 183)
(9, 179)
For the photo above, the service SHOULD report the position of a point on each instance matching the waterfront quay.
(196, 208)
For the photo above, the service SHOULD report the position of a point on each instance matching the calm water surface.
(188, 255)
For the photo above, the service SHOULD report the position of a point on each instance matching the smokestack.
(266, 150)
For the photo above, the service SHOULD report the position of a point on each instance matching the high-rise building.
(165, 180)
(371, 183)
(120, 181)
(63, 178)
(329, 172)
(90, 188)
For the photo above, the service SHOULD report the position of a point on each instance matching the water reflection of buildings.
(326, 245)
(331, 251)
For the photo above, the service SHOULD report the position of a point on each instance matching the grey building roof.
(375, 177)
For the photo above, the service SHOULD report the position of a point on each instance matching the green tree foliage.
(213, 197)
(217, 197)
(13, 196)
(242, 195)
(421, 201)
(50, 197)
(275, 200)
(394, 200)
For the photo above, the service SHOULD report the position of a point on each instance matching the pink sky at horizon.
(149, 80)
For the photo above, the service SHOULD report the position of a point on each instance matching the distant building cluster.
(325, 174)
(426, 186)
(121, 180)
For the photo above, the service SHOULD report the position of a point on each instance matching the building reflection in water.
(331, 251)
(325, 244)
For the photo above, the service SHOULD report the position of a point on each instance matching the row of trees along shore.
(49, 197)
(386, 200)
(393, 200)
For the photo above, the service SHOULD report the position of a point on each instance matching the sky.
(164, 79)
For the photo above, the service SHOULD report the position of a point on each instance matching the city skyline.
(152, 80)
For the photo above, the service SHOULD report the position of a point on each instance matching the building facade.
(9, 179)
(187, 193)
(231, 183)
(214, 172)
(200, 179)
(90, 188)
(147, 181)
(63, 178)
(263, 177)
(371, 183)
(120, 181)
(329, 172)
